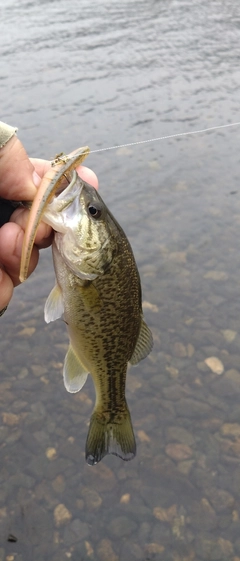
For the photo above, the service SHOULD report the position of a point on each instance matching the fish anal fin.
(115, 438)
(74, 374)
(53, 308)
(144, 344)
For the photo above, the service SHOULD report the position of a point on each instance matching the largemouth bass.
(98, 290)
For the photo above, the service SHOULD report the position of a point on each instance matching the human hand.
(19, 178)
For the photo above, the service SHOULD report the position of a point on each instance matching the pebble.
(174, 392)
(133, 383)
(38, 370)
(89, 549)
(174, 372)
(10, 419)
(203, 517)
(27, 332)
(214, 364)
(3, 512)
(105, 551)
(180, 435)
(131, 551)
(80, 528)
(153, 549)
(179, 350)
(122, 526)
(190, 350)
(188, 407)
(148, 306)
(125, 499)
(51, 453)
(229, 335)
(143, 437)
(228, 384)
(24, 372)
(178, 452)
(216, 275)
(201, 365)
(178, 256)
(3, 433)
(105, 481)
(61, 515)
(230, 429)
(59, 484)
(185, 466)
(22, 480)
(165, 514)
(220, 500)
(91, 498)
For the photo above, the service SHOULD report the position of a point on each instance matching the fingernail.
(36, 178)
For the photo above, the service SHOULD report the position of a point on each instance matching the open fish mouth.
(51, 184)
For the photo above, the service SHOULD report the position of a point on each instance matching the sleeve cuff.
(6, 133)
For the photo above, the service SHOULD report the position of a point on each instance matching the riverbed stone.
(214, 549)
(214, 364)
(106, 552)
(122, 526)
(59, 484)
(220, 500)
(180, 434)
(178, 452)
(61, 515)
(179, 350)
(188, 407)
(230, 429)
(92, 499)
(228, 384)
(75, 531)
(203, 516)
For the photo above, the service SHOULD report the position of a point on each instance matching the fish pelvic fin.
(110, 437)
(144, 344)
(74, 373)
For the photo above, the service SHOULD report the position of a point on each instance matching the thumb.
(17, 175)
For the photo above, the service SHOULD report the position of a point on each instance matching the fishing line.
(164, 137)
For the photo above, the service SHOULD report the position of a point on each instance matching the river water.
(105, 74)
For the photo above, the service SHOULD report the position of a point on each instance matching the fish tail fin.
(110, 437)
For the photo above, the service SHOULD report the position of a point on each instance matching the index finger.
(42, 166)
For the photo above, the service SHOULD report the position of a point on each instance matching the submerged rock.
(106, 552)
(215, 365)
(61, 515)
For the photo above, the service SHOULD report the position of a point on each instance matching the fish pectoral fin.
(91, 297)
(74, 374)
(115, 437)
(53, 308)
(144, 344)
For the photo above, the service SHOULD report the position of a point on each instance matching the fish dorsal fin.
(53, 308)
(74, 374)
(144, 344)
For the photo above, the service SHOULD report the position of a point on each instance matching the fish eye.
(94, 211)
